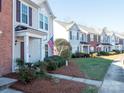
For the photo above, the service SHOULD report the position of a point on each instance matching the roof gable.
(74, 26)
(45, 4)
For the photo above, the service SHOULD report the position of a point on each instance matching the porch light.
(16, 42)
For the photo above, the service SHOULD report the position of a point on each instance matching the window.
(91, 37)
(82, 37)
(77, 36)
(46, 50)
(18, 10)
(24, 14)
(46, 22)
(41, 21)
(70, 35)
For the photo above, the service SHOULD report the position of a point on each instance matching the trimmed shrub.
(26, 74)
(93, 54)
(117, 51)
(80, 55)
(40, 67)
(112, 53)
(102, 53)
(54, 62)
(19, 62)
(52, 66)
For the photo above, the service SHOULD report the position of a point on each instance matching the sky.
(94, 13)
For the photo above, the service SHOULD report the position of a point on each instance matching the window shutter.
(0, 5)
(18, 3)
(30, 16)
(89, 38)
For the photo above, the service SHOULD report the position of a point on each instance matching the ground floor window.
(46, 50)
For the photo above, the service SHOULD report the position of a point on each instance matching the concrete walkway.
(5, 83)
(8, 90)
(114, 79)
(81, 80)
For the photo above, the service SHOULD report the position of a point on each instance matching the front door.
(22, 51)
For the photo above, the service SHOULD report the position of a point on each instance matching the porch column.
(26, 48)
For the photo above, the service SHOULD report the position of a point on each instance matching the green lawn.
(93, 68)
(90, 89)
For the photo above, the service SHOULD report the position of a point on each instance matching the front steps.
(5, 83)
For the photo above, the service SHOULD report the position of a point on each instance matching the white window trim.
(27, 14)
(39, 12)
(39, 21)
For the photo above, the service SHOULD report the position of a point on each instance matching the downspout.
(13, 35)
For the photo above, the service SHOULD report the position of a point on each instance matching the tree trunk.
(66, 62)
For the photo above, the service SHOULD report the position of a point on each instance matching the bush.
(112, 53)
(26, 74)
(54, 62)
(19, 62)
(117, 51)
(80, 55)
(52, 66)
(102, 53)
(30, 71)
(93, 54)
(40, 67)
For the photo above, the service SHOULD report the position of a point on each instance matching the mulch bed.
(47, 86)
(70, 70)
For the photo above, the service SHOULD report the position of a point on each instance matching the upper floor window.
(46, 22)
(70, 35)
(24, 14)
(0, 5)
(91, 37)
(82, 37)
(41, 21)
(77, 36)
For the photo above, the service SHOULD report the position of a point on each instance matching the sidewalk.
(114, 79)
(81, 80)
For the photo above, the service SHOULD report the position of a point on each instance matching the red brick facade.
(6, 37)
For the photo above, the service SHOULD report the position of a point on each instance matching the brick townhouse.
(6, 36)
(26, 28)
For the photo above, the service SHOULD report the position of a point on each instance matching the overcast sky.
(97, 13)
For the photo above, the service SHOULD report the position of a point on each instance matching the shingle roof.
(89, 29)
(66, 25)
(119, 35)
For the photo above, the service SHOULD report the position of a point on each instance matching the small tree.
(63, 48)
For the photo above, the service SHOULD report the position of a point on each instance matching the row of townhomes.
(88, 39)
(26, 28)
(27, 31)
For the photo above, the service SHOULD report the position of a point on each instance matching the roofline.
(51, 12)
(31, 3)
